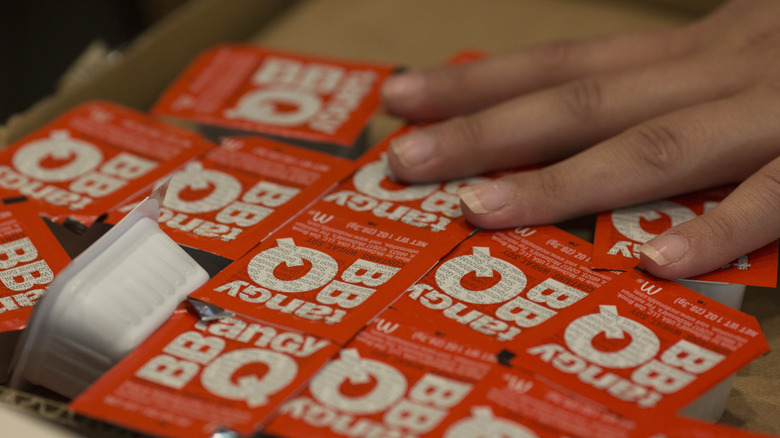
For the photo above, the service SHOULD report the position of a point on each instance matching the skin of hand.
(625, 119)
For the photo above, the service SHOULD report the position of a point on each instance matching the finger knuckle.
(719, 228)
(772, 178)
(767, 183)
(583, 98)
(454, 77)
(551, 184)
(759, 40)
(554, 55)
(659, 146)
(469, 130)
(683, 40)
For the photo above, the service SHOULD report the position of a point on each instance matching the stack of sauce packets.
(615, 351)
(638, 350)
(320, 278)
(74, 169)
(635, 345)
(344, 259)
(512, 332)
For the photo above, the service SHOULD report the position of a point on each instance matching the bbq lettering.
(300, 89)
(20, 272)
(653, 375)
(40, 164)
(202, 353)
(519, 310)
(222, 193)
(317, 271)
(406, 411)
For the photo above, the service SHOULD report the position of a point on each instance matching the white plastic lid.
(105, 303)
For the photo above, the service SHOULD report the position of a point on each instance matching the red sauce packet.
(499, 285)
(192, 378)
(234, 196)
(393, 379)
(644, 347)
(262, 90)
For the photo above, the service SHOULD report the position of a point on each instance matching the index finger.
(447, 91)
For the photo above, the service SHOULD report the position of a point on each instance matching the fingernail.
(403, 85)
(413, 149)
(665, 249)
(486, 197)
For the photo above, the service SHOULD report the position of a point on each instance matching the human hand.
(624, 119)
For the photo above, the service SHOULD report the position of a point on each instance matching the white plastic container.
(104, 304)
(710, 405)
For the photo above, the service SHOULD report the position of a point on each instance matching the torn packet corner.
(209, 312)
(104, 304)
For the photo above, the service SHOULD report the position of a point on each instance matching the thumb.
(744, 221)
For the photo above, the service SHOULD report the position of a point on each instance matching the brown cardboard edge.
(57, 413)
(154, 59)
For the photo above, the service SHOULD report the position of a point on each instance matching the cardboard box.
(409, 33)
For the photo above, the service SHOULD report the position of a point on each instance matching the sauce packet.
(644, 347)
(236, 194)
(91, 158)
(393, 379)
(194, 378)
(309, 100)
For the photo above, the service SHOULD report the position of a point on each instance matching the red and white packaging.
(498, 285)
(260, 90)
(30, 257)
(621, 232)
(643, 346)
(238, 193)
(392, 380)
(194, 378)
(516, 403)
(346, 258)
(92, 158)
